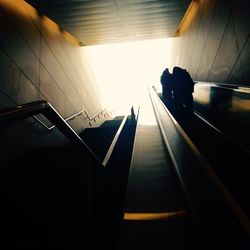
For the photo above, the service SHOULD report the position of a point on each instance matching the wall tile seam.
(40, 41)
(57, 86)
(44, 38)
(68, 78)
(205, 38)
(11, 59)
(40, 52)
(239, 50)
(33, 52)
(81, 62)
(20, 34)
(202, 52)
(193, 59)
(39, 28)
(77, 92)
(192, 37)
(56, 82)
(83, 68)
(196, 36)
(62, 93)
(223, 35)
(238, 58)
(7, 95)
(234, 30)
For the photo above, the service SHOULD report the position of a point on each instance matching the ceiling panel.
(109, 21)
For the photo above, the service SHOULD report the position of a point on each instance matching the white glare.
(123, 70)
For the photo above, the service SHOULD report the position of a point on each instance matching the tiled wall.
(38, 60)
(216, 46)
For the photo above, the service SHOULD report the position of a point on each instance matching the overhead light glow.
(124, 70)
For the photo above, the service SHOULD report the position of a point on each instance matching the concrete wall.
(215, 46)
(38, 60)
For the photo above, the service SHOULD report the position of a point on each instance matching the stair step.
(99, 139)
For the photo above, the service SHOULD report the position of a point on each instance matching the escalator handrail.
(115, 139)
(232, 87)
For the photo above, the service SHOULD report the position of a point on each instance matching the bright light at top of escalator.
(123, 70)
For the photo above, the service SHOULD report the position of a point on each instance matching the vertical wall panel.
(240, 14)
(50, 63)
(221, 51)
(245, 62)
(198, 51)
(226, 56)
(203, 68)
(216, 33)
(51, 34)
(10, 76)
(33, 14)
(18, 16)
(51, 91)
(206, 13)
(14, 45)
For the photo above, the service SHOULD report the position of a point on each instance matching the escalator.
(156, 213)
(209, 216)
(219, 140)
(109, 183)
(155, 190)
(228, 159)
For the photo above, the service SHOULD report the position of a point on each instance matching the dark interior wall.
(216, 45)
(38, 60)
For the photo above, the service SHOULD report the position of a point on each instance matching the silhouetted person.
(182, 89)
(166, 82)
(133, 121)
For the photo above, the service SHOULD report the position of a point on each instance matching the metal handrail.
(69, 118)
(234, 87)
(111, 148)
(186, 158)
(96, 114)
(44, 107)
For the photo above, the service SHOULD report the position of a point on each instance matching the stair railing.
(72, 117)
(26, 110)
(43, 107)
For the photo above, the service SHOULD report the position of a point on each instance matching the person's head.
(176, 69)
(166, 69)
